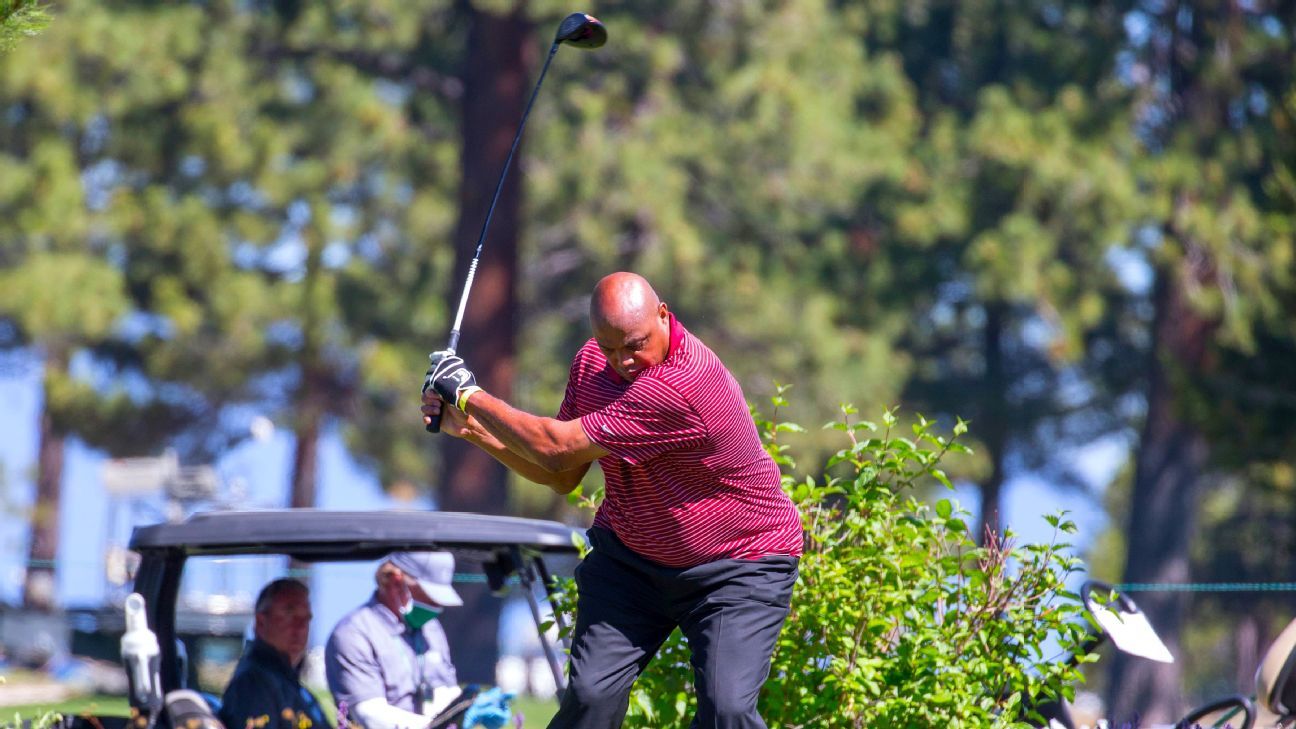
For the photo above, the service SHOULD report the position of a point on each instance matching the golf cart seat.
(1276, 676)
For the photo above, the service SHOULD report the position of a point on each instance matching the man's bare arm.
(554, 445)
(472, 429)
(562, 482)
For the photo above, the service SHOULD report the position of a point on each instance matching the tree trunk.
(1248, 642)
(496, 85)
(306, 458)
(39, 586)
(304, 472)
(313, 395)
(1167, 483)
(993, 426)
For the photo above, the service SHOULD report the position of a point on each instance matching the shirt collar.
(676, 335)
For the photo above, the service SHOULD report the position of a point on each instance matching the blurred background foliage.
(1069, 223)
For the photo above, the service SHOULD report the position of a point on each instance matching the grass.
(94, 704)
(537, 712)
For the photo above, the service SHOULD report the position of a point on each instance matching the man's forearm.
(560, 481)
(522, 434)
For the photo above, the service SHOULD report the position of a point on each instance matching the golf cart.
(1115, 618)
(499, 551)
(1274, 703)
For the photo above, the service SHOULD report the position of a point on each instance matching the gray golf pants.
(730, 611)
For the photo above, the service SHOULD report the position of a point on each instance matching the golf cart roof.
(315, 535)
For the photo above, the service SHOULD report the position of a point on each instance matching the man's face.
(285, 625)
(634, 349)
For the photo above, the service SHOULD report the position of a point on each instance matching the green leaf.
(940, 476)
(645, 705)
(944, 508)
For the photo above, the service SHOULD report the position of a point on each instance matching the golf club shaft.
(435, 425)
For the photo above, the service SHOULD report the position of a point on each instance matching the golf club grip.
(451, 346)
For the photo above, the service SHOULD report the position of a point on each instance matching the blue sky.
(264, 466)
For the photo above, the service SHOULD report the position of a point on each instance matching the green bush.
(899, 618)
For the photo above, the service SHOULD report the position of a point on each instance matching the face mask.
(418, 614)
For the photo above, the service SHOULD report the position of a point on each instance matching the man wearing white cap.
(388, 660)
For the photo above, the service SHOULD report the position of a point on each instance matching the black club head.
(581, 30)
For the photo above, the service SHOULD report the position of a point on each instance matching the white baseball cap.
(434, 572)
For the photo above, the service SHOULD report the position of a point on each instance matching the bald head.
(631, 324)
(622, 299)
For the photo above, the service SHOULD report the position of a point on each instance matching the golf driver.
(578, 29)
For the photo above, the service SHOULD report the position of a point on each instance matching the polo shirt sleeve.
(568, 411)
(650, 419)
(351, 667)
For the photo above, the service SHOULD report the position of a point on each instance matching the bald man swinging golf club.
(694, 530)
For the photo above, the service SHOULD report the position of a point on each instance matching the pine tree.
(21, 19)
(268, 210)
(1214, 80)
(997, 244)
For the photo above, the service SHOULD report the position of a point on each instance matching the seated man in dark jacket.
(266, 691)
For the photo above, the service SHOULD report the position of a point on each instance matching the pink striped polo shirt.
(687, 479)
